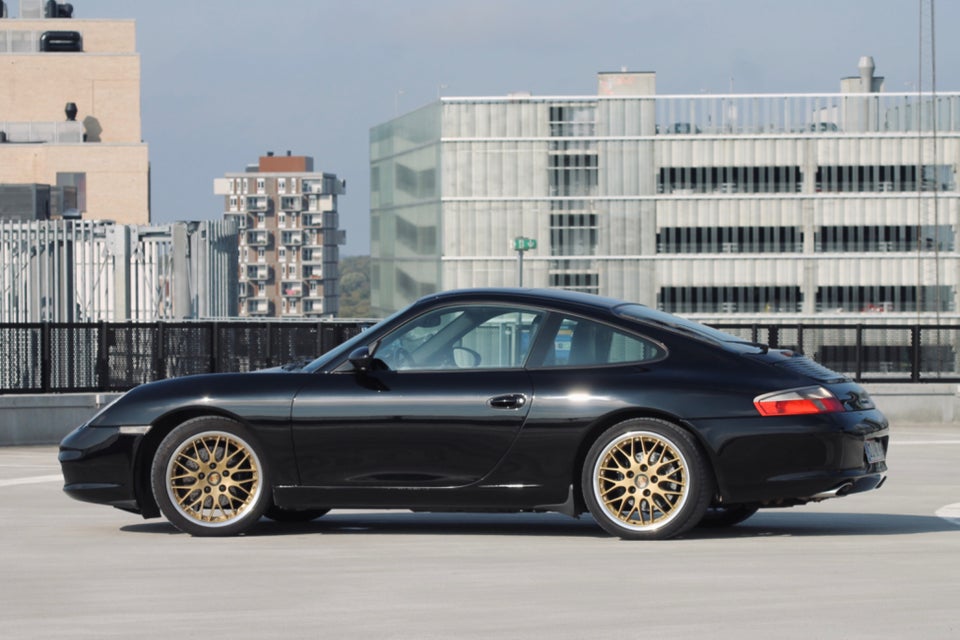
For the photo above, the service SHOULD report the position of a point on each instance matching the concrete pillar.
(118, 244)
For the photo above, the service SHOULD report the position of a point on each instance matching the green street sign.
(524, 244)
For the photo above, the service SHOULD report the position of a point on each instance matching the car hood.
(241, 394)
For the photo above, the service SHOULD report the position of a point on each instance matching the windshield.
(343, 349)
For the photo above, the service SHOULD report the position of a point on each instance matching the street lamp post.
(520, 245)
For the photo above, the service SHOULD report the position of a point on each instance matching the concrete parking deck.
(878, 565)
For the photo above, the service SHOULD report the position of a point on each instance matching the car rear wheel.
(209, 478)
(646, 479)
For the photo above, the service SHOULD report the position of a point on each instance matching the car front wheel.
(645, 479)
(209, 478)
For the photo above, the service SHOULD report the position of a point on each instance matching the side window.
(465, 337)
(580, 342)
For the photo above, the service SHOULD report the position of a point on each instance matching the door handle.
(509, 401)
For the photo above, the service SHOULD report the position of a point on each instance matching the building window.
(73, 187)
(282, 219)
(688, 180)
(573, 234)
(282, 254)
(281, 185)
(261, 220)
(586, 282)
(880, 299)
(573, 120)
(884, 238)
(895, 178)
(233, 203)
(730, 299)
(261, 185)
(729, 240)
(261, 254)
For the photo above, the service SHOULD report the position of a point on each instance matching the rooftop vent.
(60, 41)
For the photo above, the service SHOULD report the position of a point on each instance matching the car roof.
(560, 297)
(579, 301)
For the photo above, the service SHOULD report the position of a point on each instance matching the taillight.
(796, 402)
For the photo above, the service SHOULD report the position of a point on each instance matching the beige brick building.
(97, 69)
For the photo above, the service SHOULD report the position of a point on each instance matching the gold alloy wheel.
(641, 480)
(213, 478)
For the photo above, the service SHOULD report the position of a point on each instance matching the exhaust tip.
(836, 492)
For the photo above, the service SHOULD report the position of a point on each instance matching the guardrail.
(94, 357)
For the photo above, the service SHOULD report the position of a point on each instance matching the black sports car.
(493, 400)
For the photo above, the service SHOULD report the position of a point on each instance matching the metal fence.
(92, 357)
(75, 357)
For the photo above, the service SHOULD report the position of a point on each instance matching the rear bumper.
(791, 460)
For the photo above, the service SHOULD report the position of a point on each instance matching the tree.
(355, 287)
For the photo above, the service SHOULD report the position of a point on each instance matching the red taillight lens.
(796, 402)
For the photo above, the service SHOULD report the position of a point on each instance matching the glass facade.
(789, 205)
(405, 223)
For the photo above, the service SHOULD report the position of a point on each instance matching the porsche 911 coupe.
(500, 400)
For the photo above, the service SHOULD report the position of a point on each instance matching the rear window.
(583, 343)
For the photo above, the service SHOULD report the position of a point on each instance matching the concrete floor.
(876, 565)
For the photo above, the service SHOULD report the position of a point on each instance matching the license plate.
(874, 451)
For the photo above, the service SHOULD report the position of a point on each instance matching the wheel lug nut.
(206, 489)
(632, 490)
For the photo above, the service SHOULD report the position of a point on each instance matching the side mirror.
(361, 359)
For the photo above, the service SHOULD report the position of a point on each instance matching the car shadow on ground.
(764, 524)
(801, 524)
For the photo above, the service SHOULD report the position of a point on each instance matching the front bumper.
(98, 466)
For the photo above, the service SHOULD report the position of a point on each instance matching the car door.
(442, 408)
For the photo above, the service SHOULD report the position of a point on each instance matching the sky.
(225, 81)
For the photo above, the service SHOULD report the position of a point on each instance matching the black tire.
(646, 479)
(727, 515)
(209, 477)
(279, 514)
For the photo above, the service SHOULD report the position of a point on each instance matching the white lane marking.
(950, 513)
(922, 442)
(31, 480)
